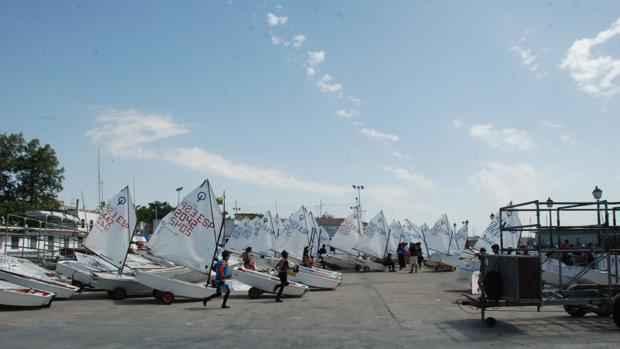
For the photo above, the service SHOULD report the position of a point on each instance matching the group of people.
(222, 273)
(407, 255)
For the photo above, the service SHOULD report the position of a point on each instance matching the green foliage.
(157, 209)
(30, 174)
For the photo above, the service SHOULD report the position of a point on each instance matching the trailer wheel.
(167, 298)
(254, 293)
(119, 293)
(575, 310)
(366, 269)
(490, 322)
(157, 294)
(358, 267)
(615, 310)
(453, 268)
(78, 285)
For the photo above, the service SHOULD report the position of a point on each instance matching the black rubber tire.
(358, 267)
(157, 294)
(602, 313)
(167, 298)
(77, 284)
(490, 322)
(575, 310)
(254, 293)
(615, 310)
(366, 269)
(119, 293)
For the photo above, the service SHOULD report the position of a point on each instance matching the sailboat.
(19, 296)
(109, 239)
(414, 234)
(27, 274)
(343, 241)
(374, 243)
(439, 246)
(187, 236)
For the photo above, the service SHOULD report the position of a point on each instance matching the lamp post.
(492, 216)
(597, 193)
(236, 209)
(179, 189)
(549, 204)
(5, 206)
(358, 198)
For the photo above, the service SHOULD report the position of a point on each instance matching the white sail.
(394, 238)
(460, 238)
(415, 234)
(242, 236)
(425, 231)
(373, 240)
(264, 234)
(491, 235)
(188, 235)
(111, 234)
(277, 225)
(295, 234)
(347, 235)
(405, 235)
(440, 235)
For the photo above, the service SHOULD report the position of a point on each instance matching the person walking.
(282, 269)
(221, 274)
(400, 252)
(420, 255)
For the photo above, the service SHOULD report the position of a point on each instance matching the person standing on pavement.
(413, 259)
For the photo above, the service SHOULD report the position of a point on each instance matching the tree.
(154, 209)
(30, 174)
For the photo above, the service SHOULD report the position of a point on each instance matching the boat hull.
(60, 291)
(179, 288)
(265, 282)
(340, 262)
(76, 271)
(14, 295)
(314, 280)
(112, 282)
(551, 274)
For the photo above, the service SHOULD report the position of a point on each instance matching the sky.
(435, 107)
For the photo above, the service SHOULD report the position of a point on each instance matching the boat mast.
(120, 271)
(219, 234)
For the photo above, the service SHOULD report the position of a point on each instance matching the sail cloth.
(373, 240)
(242, 236)
(277, 225)
(394, 235)
(347, 235)
(492, 234)
(111, 234)
(440, 235)
(415, 234)
(264, 234)
(460, 238)
(295, 234)
(188, 235)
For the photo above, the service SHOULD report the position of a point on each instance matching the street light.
(179, 195)
(549, 202)
(492, 216)
(597, 193)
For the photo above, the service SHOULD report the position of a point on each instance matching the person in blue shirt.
(221, 274)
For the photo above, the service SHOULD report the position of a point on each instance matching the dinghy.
(374, 244)
(188, 236)
(25, 273)
(264, 283)
(18, 296)
(343, 241)
(551, 274)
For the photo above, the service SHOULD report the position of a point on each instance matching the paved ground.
(374, 310)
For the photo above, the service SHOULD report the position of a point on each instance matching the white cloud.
(400, 155)
(457, 122)
(347, 114)
(505, 139)
(568, 139)
(550, 124)
(527, 57)
(506, 183)
(274, 20)
(276, 40)
(420, 181)
(378, 135)
(353, 99)
(594, 72)
(201, 160)
(314, 59)
(324, 84)
(123, 132)
(298, 40)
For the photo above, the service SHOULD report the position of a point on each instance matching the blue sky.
(435, 106)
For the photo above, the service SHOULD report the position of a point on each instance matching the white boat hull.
(366, 264)
(60, 291)
(341, 262)
(181, 273)
(17, 296)
(551, 274)
(179, 288)
(265, 282)
(309, 278)
(112, 282)
(76, 271)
